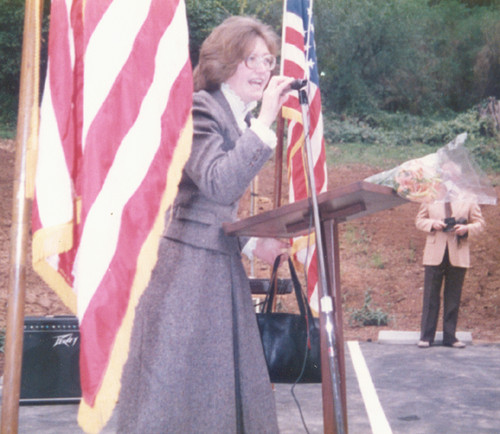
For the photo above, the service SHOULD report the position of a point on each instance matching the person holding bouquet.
(448, 225)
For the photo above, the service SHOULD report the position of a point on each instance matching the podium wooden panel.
(335, 206)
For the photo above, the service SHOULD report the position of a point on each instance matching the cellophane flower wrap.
(447, 175)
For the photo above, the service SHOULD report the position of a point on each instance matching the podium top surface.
(344, 203)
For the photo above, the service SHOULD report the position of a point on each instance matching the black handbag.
(291, 342)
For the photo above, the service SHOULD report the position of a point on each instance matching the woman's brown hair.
(227, 45)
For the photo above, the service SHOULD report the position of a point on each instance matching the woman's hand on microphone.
(276, 93)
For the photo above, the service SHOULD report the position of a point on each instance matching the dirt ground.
(380, 254)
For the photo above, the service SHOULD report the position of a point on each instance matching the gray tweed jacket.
(216, 175)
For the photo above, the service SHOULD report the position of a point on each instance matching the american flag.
(299, 61)
(115, 132)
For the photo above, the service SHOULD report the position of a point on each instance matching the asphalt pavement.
(396, 388)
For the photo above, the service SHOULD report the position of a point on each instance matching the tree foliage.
(11, 42)
(403, 55)
(204, 15)
(407, 56)
(11, 33)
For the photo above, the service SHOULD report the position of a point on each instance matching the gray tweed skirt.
(196, 363)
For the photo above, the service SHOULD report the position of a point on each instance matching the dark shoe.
(423, 344)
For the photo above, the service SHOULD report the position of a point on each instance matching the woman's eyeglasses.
(268, 61)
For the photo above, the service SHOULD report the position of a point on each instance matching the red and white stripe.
(295, 63)
(127, 96)
(53, 212)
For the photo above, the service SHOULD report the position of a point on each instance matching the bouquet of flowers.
(446, 175)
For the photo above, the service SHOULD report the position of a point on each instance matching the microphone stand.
(325, 300)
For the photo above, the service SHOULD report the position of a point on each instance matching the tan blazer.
(437, 241)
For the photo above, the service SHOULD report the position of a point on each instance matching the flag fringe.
(48, 242)
(93, 418)
(292, 114)
(296, 147)
(303, 242)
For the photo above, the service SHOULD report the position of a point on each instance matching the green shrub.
(366, 316)
(2, 340)
(7, 131)
(405, 136)
(378, 261)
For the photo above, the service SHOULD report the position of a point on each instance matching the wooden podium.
(335, 206)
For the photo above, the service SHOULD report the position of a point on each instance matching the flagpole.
(28, 107)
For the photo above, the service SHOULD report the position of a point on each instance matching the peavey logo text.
(68, 340)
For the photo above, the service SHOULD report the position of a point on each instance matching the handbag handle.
(273, 286)
(304, 307)
(302, 299)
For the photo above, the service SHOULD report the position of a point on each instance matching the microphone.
(298, 84)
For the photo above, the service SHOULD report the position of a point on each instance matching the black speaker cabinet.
(50, 370)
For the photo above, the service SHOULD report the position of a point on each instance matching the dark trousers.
(453, 282)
